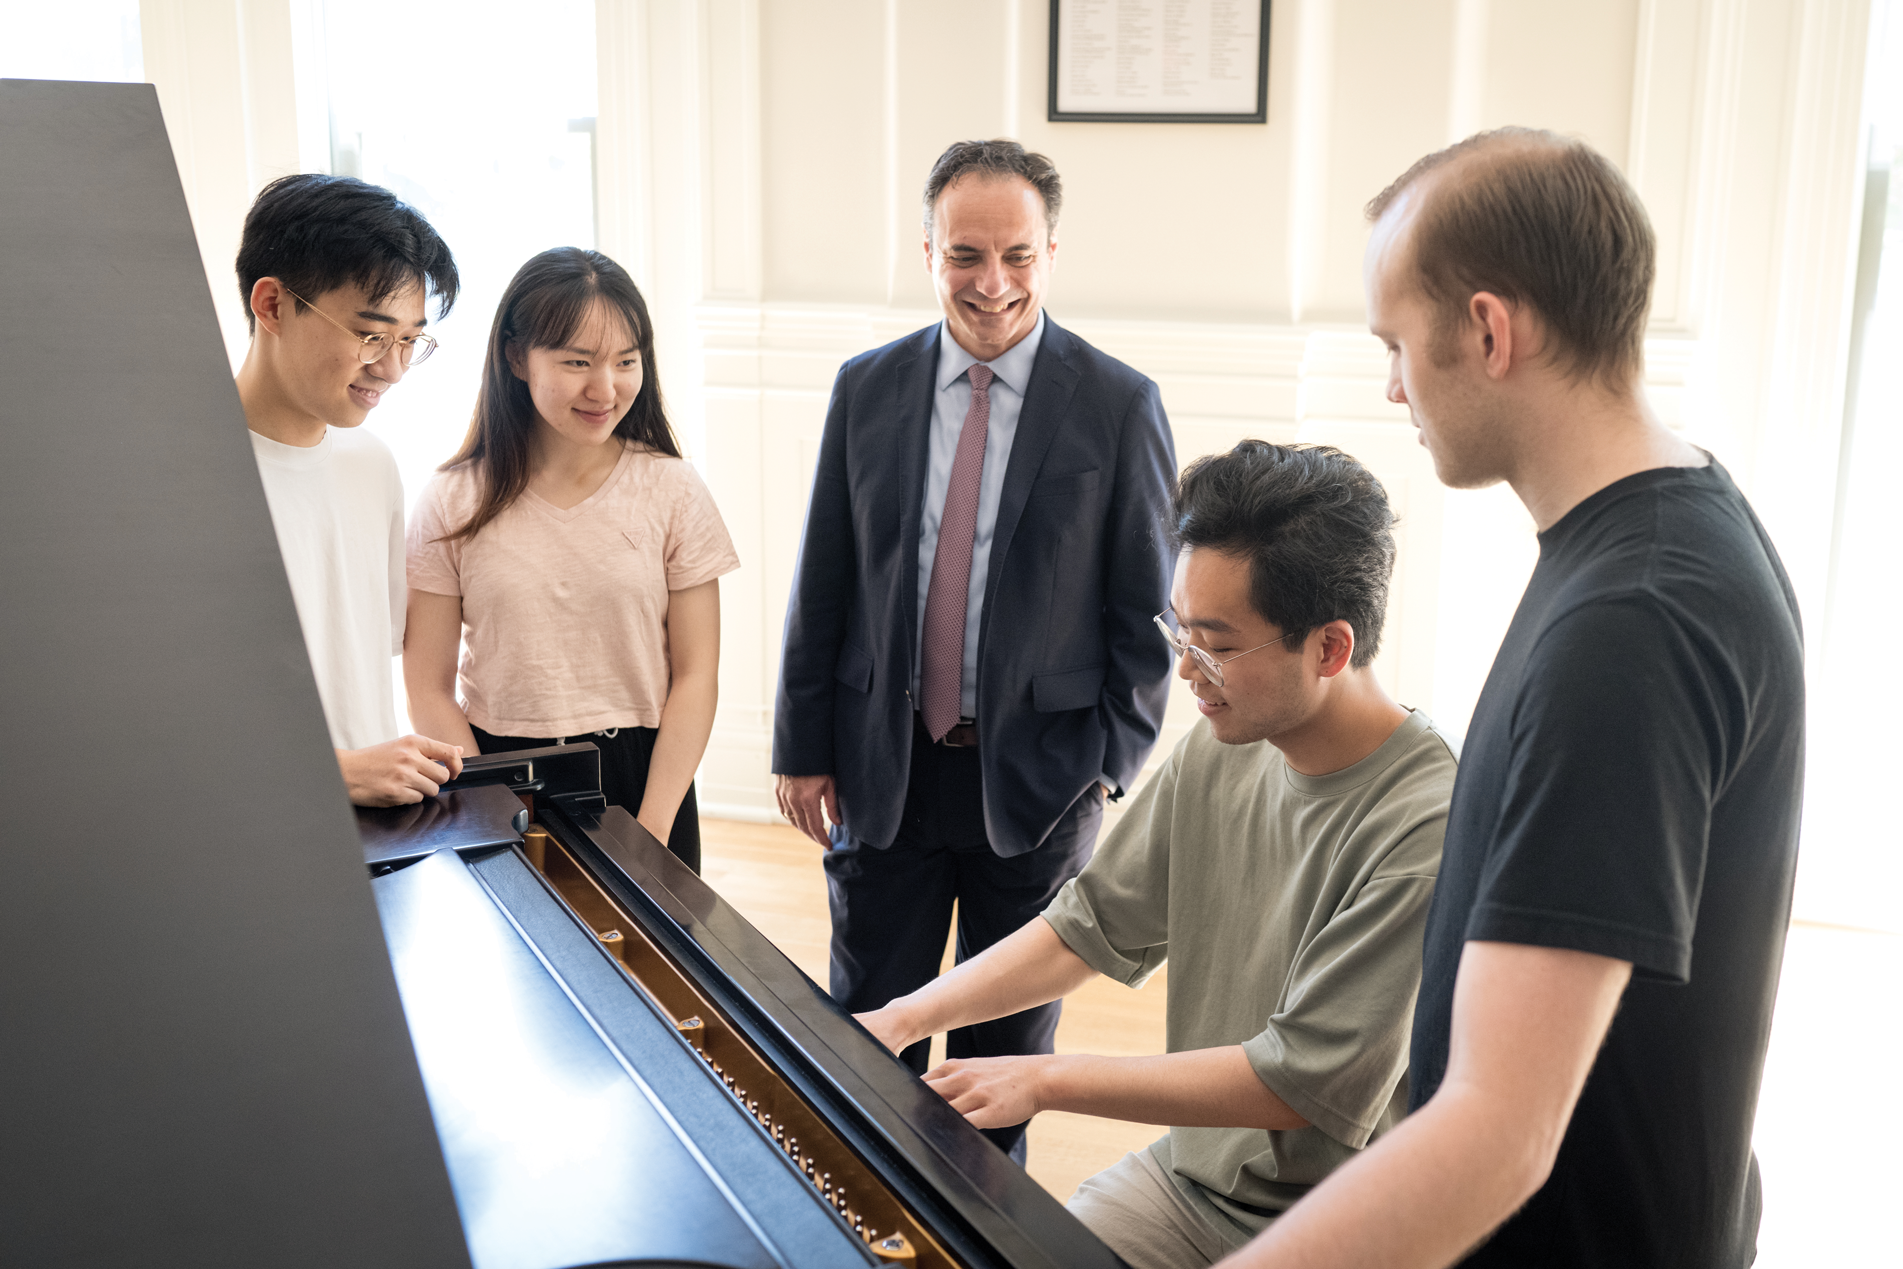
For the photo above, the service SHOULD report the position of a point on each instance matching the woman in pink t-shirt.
(572, 554)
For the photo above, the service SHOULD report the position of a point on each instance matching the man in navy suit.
(970, 666)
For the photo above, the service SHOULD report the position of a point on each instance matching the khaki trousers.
(1139, 1213)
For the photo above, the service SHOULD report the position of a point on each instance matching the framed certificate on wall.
(1159, 61)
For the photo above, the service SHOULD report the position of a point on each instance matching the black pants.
(624, 777)
(892, 908)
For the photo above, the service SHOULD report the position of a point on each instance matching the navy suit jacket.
(1072, 674)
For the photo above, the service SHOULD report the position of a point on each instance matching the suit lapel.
(910, 409)
(1054, 378)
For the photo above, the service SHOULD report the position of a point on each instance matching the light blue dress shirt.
(1011, 377)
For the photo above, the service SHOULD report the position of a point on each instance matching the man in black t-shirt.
(1603, 948)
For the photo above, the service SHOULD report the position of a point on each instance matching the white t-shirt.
(338, 510)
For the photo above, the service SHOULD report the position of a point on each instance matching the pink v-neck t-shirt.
(565, 612)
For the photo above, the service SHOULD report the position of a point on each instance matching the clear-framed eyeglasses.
(411, 350)
(1210, 667)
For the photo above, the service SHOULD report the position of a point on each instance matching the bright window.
(489, 132)
(75, 39)
(1852, 866)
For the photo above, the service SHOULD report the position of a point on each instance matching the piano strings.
(842, 1180)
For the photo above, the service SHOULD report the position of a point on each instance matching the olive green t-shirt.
(1291, 910)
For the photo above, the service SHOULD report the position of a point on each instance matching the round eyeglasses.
(1210, 667)
(412, 350)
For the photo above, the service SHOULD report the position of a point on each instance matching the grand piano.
(623, 1069)
(243, 1025)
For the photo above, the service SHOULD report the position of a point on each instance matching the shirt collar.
(1013, 366)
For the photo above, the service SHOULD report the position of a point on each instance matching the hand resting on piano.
(398, 772)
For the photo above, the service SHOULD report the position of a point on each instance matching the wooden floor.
(772, 875)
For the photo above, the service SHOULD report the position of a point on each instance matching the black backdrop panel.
(202, 1056)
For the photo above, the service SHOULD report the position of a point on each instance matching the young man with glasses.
(335, 274)
(1282, 861)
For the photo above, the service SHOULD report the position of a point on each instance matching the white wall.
(759, 169)
(1224, 260)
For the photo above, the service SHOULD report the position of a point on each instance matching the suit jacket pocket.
(854, 669)
(1067, 689)
(1077, 482)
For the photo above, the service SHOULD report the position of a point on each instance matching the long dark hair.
(543, 306)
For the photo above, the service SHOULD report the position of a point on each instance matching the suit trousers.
(892, 908)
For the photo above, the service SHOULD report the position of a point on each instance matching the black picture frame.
(1259, 115)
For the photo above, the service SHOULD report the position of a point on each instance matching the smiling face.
(320, 372)
(990, 255)
(583, 389)
(1438, 373)
(1269, 693)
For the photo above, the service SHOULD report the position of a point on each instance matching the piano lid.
(204, 1053)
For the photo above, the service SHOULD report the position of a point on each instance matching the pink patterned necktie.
(943, 657)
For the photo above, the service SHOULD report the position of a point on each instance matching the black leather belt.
(963, 735)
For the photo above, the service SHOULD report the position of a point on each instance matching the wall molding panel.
(232, 78)
(758, 164)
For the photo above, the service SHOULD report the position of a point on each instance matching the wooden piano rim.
(834, 1167)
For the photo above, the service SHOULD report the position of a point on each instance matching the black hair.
(545, 304)
(1002, 158)
(1313, 522)
(315, 233)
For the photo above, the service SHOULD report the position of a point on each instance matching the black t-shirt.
(1630, 787)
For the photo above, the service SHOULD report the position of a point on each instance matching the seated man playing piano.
(1282, 859)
